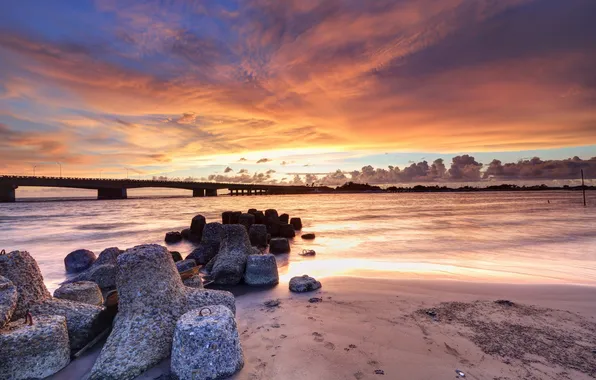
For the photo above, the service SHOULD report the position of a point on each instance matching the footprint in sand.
(329, 346)
(318, 337)
(358, 375)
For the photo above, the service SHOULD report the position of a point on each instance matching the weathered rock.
(225, 217)
(259, 217)
(272, 227)
(194, 282)
(103, 275)
(34, 351)
(8, 300)
(204, 252)
(81, 291)
(258, 235)
(173, 237)
(272, 213)
(151, 300)
(252, 211)
(83, 321)
(206, 345)
(188, 235)
(235, 217)
(197, 225)
(176, 256)
(283, 218)
(308, 236)
(213, 233)
(287, 231)
(79, 260)
(246, 220)
(304, 284)
(230, 262)
(297, 223)
(185, 265)
(261, 270)
(279, 245)
(108, 256)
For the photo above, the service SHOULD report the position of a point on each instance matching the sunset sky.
(279, 88)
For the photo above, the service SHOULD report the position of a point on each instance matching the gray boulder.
(258, 235)
(204, 252)
(279, 245)
(206, 345)
(287, 231)
(108, 256)
(246, 220)
(173, 237)
(194, 282)
(297, 223)
(152, 298)
(284, 218)
(185, 265)
(197, 225)
(213, 233)
(103, 275)
(229, 264)
(34, 351)
(261, 270)
(8, 300)
(304, 284)
(83, 321)
(81, 291)
(79, 260)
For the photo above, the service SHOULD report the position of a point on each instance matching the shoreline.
(379, 317)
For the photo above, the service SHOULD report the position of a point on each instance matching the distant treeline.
(365, 187)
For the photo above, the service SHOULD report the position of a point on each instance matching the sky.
(299, 90)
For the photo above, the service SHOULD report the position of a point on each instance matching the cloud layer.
(162, 84)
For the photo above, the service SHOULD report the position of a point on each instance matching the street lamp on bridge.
(60, 169)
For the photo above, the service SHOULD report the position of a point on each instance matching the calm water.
(501, 237)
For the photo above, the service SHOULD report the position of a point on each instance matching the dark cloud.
(228, 169)
(536, 168)
(263, 160)
(243, 171)
(242, 159)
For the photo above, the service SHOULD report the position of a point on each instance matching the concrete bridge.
(117, 188)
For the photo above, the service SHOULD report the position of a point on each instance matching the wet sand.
(408, 329)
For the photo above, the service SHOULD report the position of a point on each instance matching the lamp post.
(34, 166)
(126, 173)
(100, 173)
(60, 169)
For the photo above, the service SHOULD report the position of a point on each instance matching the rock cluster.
(102, 271)
(304, 284)
(152, 298)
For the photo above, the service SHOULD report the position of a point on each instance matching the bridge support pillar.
(211, 192)
(198, 192)
(7, 193)
(112, 193)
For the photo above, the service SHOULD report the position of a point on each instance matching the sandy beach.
(407, 329)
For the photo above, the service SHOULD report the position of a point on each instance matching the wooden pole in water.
(583, 187)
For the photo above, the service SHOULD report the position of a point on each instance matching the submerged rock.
(81, 291)
(34, 351)
(261, 270)
(258, 235)
(297, 223)
(83, 321)
(197, 225)
(246, 220)
(308, 236)
(173, 237)
(287, 231)
(206, 345)
(8, 300)
(79, 260)
(229, 264)
(304, 284)
(152, 298)
(279, 245)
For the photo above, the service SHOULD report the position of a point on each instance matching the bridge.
(117, 188)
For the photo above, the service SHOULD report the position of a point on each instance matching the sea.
(541, 237)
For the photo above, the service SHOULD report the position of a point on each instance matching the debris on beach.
(272, 303)
(308, 252)
(308, 236)
(505, 302)
(315, 300)
(460, 373)
(379, 372)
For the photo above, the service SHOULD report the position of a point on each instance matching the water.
(494, 237)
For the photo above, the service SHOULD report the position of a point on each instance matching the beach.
(365, 325)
